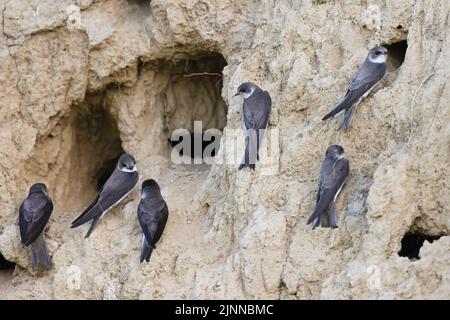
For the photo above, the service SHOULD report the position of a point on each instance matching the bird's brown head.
(246, 89)
(126, 163)
(335, 152)
(150, 187)
(38, 187)
(378, 54)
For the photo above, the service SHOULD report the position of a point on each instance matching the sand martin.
(333, 172)
(118, 186)
(256, 111)
(368, 75)
(34, 213)
(152, 215)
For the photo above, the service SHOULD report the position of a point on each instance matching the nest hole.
(397, 53)
(5, 265)
(195, 105)
(139, 8)
(412, 242)
(96, 147)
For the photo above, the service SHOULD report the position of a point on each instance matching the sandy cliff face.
(83, 80)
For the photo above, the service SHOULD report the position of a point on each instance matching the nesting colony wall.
(83, 80)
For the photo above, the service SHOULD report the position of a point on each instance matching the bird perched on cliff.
(152, 215)
(118, 186)
(368, 75)
(332, 175)
(256, 111)
(34, 213)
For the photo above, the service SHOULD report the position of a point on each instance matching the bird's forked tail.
(146, 250)
(39, 253)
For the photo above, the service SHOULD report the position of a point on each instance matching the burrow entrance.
(193, 95)
(397, 53)
(5, 265)
(412, 242)
(174, 95)
(96, 147)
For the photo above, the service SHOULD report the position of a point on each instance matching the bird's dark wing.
(152, 218)
(88, 209)
(164, 214)
(366, 77)
(34, 214)
(266, 103)
(257, 110)
(329, 186)
(318, 191)
(114, 189)
(118, 185)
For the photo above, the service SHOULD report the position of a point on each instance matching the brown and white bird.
(152, 214)
(368, 75)
(121, 182)
(256, 110)
(332, 175)
(34, 214)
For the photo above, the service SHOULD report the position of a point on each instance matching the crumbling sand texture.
(82, 80)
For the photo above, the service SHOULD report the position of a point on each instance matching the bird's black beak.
(237, 93)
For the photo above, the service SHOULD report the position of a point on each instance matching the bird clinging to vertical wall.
(34, 214)
(368, 75)
(118, 186)
(152, 215)
(256, 113)
(332, 175)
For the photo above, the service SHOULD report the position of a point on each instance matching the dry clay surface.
(83, 80)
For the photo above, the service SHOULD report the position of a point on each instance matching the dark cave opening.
(397, 53)
(6, 265)
(142, 7)
(200, 81)
(97, 139)
(412, 242)
(96, 146)
(105, 170)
